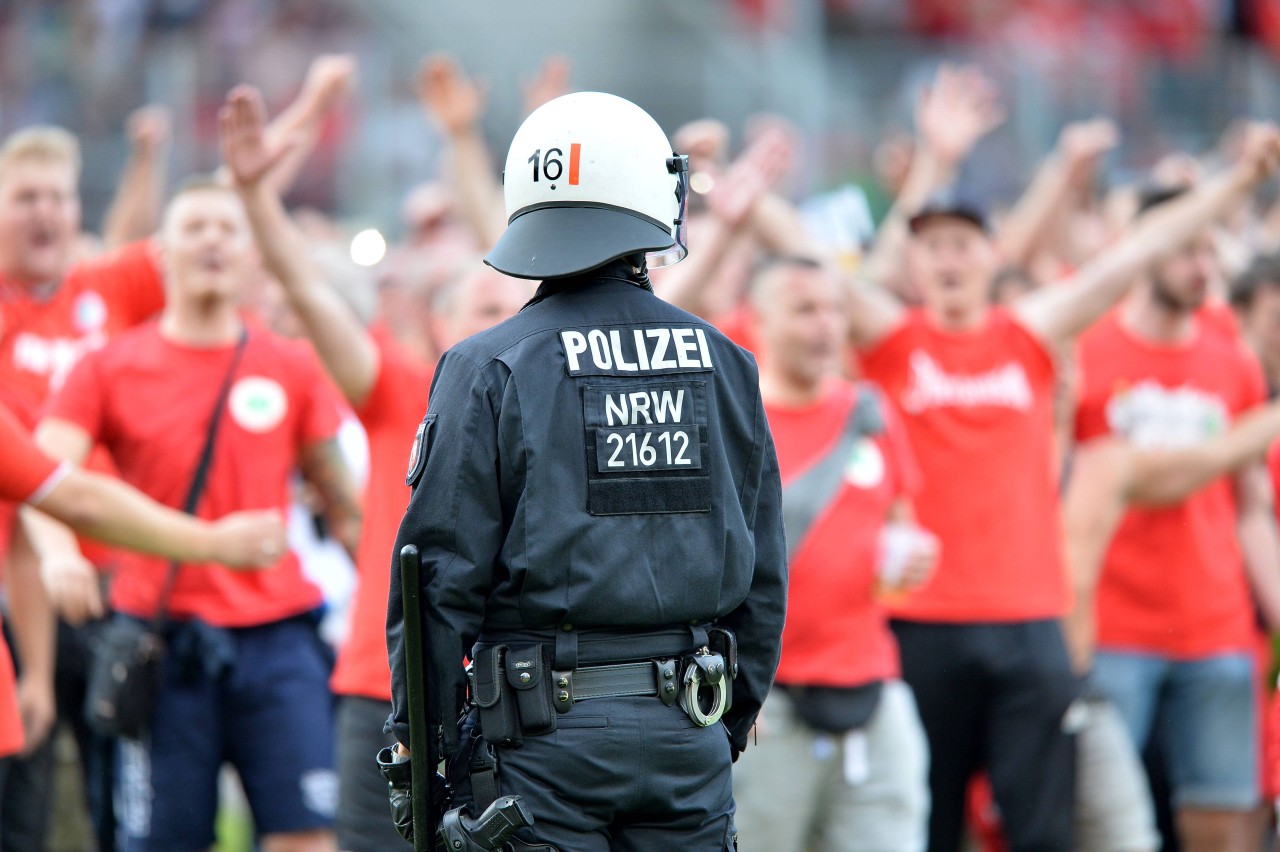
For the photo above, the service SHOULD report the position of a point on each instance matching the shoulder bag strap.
(161, 618)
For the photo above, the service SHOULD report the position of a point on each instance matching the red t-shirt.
(26, 475)
(836, 632)
(148, 400)
(44, 330)
(1173, 581)
(47, 329)
(390, 416)
(978, 410)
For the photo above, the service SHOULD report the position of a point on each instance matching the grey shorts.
(1114, 812)
(797, 788)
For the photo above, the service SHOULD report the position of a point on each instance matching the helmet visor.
(677, 164)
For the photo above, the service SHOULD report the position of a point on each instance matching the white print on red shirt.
(1152, 416)
(53, 356)
(258, 404)
(89, 311)
(931, 386)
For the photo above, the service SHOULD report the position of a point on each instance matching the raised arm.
(775, 223)
(1079, 147)
(455, 104)
(730, 204)
(1058, 314)
(345, 348)
(952, 114)
(296, 130)
(135, 209)
(549, 82)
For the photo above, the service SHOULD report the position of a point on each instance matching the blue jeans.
(1208, 722)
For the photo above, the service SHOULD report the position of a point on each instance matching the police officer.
(597, 504)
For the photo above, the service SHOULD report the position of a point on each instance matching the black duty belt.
(701, 682)
(581, 665)
(621, 680)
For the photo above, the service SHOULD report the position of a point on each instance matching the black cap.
(952, 206)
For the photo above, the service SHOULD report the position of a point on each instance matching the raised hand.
(1259, 156)
(745, 182)
(249, 539)
(149, 129)
(957, 109)
(242, 139)
(450, 98)
(550, 82)
(1083, 142)
(329, 80)
(706, 141)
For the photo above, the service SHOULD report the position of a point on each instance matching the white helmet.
(590, 178)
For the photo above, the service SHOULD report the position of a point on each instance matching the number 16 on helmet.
(590, 178)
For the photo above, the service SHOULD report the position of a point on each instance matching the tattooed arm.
(326, 471)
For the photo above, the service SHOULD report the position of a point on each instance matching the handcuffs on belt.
(707, 688)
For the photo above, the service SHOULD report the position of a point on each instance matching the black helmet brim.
(553, 242)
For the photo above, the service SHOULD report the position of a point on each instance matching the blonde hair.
(42, 143)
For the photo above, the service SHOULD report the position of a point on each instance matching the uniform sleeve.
(455, 519)
(757, 623)
(130, 280)
(82, 398)
(26, 473)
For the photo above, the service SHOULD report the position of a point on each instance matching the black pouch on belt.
(489, 690)
(530, 677)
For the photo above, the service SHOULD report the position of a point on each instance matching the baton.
(420, 768)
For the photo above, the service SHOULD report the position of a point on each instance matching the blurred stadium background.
(1172, 72)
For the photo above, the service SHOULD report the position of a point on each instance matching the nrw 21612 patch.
(418, 452)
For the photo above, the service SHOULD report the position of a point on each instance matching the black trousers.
(620, 775)
(995, 696)
(75, 652)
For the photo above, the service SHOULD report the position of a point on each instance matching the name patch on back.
(647, 446)
(631, 351)
(653, 427)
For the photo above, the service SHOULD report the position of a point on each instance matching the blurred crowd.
(1024, 448)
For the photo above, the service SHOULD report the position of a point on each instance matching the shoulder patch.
(418, 452)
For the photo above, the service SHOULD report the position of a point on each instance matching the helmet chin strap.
(638, 271)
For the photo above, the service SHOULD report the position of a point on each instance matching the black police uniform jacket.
(601, 459)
